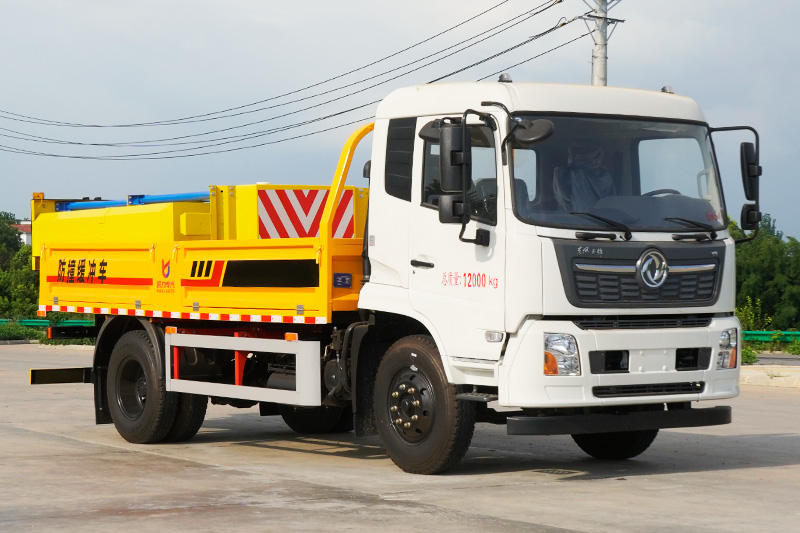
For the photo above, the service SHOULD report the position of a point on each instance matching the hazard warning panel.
(287, 213)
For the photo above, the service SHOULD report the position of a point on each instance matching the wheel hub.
(132, 389)
(141, 389)
(411, 404)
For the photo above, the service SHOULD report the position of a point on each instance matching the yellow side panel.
(210, 260)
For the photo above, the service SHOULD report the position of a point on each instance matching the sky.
(119, 63)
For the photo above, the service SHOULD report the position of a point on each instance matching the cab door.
(458, 286)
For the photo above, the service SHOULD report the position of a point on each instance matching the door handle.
(421, 264)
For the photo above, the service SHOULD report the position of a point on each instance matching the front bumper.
(611, 423)
(651, 369)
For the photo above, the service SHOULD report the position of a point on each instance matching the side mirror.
(750, 170)
(455, 167)
(530, 132)
(368, 168)
(451, 209)
(751, 216)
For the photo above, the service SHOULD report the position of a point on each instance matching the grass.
(15, 332)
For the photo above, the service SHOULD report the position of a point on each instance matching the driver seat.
(584, 180)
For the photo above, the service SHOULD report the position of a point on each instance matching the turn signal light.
(291, 336)
(550, 364)
(170, 329)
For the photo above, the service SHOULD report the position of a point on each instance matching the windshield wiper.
(692, 224)
(591, 235)
(608, 222)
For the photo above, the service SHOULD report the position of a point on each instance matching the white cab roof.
(454, 98)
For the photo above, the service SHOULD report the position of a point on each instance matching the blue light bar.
(95, 204)
(133, 199)
(144, 199)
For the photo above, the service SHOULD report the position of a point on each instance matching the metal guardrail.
(767, 336)
(43, 323)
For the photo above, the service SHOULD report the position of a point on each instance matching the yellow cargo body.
(258, 253)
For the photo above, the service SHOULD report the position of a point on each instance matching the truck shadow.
(494, 452)
(672, 452)
(273, 434)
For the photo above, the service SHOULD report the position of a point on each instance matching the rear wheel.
(616, 446)
(191, 412)
(423, 427)
(141, 408)
(318, 420)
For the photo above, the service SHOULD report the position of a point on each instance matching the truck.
(555, 258)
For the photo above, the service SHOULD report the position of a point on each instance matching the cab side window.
(482, 191)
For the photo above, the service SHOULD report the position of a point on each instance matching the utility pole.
(600, 36)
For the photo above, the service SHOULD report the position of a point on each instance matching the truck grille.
(654, 389)
(643, 322)
(624, 288)
(609, 275)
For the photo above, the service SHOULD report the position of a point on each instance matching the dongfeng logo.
(652, 267)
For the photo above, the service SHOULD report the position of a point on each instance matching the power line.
(4, 148)
(243, 136)
(518, 45)
(295, 91)
(161, 155)
(164, 142)
(493, 74)
(527, 15)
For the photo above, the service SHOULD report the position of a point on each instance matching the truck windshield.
(639, 174)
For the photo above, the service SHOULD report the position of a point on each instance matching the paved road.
(58, 471)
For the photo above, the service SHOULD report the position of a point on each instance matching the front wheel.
(616, 446)
(423, 427)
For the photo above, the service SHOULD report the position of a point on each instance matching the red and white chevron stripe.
(293, 213)
(282, 319)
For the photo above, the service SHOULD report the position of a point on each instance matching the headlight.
(561, 356)
(728, 342)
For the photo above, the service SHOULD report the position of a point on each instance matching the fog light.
(727, 354)
(561, 356)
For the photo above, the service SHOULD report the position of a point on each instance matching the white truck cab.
(590, 271)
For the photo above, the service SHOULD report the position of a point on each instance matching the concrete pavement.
(242, 472)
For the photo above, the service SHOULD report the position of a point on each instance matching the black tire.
(190, 414)
(317, 420)
(423, 427)
(615, 446)
(140, 406)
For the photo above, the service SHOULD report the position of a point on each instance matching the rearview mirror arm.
(511, 130)
(758, 160)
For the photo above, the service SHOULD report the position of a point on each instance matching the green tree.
(768, 270)
(19, 287)
(9, 238)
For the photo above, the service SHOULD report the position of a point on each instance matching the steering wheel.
(661, 191)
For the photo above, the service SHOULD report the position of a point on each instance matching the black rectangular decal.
(342, 281)
(272, 273)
